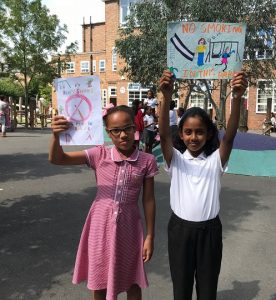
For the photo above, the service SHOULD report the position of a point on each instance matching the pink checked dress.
(110, 249)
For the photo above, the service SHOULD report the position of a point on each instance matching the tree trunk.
(243, 116)
(26, 94)
(222, 106)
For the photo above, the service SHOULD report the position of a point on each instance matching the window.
(104, 97)
(265, 89)
(84, 66)
(102, 65)
(197, 100)
(136, 92)
(70, 67)
(112, 91)
(176, 100)
(264, 54)
(94, 66)
(114, 59)
(124, 9)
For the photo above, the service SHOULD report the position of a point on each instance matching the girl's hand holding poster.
(197, 50)
(79, 100)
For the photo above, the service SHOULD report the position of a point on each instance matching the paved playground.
(43, 208)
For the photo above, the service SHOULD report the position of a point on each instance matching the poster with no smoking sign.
(79, 100)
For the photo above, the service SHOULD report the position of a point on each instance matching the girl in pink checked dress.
(112, 249)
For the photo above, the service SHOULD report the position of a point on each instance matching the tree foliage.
(142, 41)
(30, 35)
(10, 88)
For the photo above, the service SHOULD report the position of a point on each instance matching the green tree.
(30, 35)
(10, 88)
(142, 41)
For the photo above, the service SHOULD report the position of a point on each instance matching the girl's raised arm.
(166, 87)
(56, 154)
(239, 84)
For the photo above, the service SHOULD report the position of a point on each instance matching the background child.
(149, 129)
(151, 101)
(173, 121)
(112, 249)
(4, 114)
(194, 229)
(138, 121)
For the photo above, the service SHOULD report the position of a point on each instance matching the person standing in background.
(151, 101)
(139, 122)
(4, 109)
(173, 121)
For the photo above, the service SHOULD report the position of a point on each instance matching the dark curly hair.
(211, 144)
(114, 109)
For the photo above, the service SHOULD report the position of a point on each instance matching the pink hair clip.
(107, 108)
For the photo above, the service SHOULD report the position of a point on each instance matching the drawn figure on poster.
(224, 57)
(200, 50)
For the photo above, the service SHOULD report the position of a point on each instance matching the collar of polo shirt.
(115, 155)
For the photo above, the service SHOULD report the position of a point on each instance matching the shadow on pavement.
(240, 291)
(236, 206)
(22, 166)
(39, 238)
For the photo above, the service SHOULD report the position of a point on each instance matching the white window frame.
(104, 97)
(70, 67)
(112, 91)
(198, 99)
(94, 66)
(126, 7)
(102, 68)
(264, 54)
(136, 92)
(85, 69)
(262, 95)
(114, 59)
(176, 100)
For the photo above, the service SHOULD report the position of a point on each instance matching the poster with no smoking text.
(79, 100)
(205, 50)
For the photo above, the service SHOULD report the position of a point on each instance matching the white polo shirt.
(195, 185)
(151, 102)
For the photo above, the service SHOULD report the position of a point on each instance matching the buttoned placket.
(119, 189)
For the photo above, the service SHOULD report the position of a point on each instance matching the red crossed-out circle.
(78, 108)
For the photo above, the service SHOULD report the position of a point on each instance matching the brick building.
(99, 58)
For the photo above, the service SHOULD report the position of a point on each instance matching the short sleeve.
(93, 156)
(175, 155)
(224, 168)
(152, 168)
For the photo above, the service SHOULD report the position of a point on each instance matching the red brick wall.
(98, 37)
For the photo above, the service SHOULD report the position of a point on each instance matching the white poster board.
(79, 100)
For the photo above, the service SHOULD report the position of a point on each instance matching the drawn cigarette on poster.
(205, 50)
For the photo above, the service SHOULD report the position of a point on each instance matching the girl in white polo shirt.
(195, 166)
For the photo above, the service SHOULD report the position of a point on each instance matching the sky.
(72, 12)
